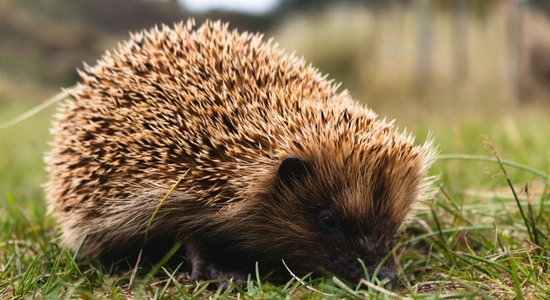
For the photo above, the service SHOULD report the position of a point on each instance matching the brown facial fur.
(223, 111)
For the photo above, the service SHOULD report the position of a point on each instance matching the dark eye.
(328, 221)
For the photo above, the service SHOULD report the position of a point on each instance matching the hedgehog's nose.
(388, 275)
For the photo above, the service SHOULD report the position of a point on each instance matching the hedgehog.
(219, 141)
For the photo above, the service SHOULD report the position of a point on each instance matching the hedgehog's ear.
(292, 169)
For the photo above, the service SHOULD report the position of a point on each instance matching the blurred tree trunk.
(460, 41)
(423, 8)
(515, 28)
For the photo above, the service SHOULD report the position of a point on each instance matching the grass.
(477, 238)
(484, 235)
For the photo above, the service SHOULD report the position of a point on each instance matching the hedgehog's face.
(338, 216)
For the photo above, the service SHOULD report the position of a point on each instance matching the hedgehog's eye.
(328, 220)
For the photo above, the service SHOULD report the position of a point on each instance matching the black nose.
(390, 276)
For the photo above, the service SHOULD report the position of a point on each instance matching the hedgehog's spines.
(225, 109)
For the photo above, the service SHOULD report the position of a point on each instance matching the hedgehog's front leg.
(204, 269)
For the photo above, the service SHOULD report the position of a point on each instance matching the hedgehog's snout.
(389, 275)
(385, 274)
(361, 262)
(354, 273)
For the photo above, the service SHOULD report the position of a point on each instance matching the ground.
(484, 235)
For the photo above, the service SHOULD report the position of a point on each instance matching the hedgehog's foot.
(202, 269)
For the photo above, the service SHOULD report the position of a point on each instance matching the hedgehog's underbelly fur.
(217, 109)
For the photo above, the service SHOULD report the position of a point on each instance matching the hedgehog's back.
(168, 102)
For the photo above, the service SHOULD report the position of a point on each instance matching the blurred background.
(458, 68)
(445, 56)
